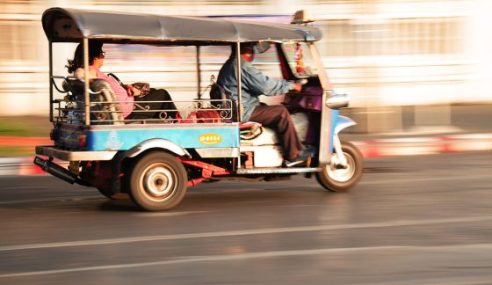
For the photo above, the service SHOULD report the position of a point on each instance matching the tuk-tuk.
(155, 160)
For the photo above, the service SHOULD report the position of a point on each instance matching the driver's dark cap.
(247, 48)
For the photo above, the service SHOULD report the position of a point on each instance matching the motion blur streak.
(389, 55)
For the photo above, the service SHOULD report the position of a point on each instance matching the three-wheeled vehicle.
(155, 160)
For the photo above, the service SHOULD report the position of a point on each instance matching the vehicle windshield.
(298, 56)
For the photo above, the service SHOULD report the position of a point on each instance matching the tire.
(341, 180)
(158, 181)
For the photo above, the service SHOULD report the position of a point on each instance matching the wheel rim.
(344, 174)
(159, 182)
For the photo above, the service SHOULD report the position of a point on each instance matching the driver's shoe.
(302, 159)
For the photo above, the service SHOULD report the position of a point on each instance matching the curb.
(370, 149)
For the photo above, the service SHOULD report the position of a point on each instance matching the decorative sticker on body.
(210, 138)
(113, 141)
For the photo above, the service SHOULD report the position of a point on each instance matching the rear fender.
(157, 144)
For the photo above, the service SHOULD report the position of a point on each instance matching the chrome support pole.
(50, 56)
(239, 84)
(239, 93)
(86, 82)
(198, 73)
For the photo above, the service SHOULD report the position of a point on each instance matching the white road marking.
(245, 256)
(111, 241)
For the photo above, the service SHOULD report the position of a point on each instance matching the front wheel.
(338, 179)
(158, 181)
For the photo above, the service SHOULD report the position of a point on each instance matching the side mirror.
(336, 101)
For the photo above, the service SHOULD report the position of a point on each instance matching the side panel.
(183, 136)
(342, 122)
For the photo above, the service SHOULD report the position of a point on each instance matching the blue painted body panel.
(343, 120)
(186, 137)
(335, 116)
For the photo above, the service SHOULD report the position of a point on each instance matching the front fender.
(157, 144)
(343, 123)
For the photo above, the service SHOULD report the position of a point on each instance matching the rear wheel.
(338, 179)
(157, 181)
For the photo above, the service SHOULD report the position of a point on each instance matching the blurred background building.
(400, 60)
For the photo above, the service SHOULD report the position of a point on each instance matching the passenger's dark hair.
(95, 49)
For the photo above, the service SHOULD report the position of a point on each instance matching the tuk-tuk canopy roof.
(72, 25)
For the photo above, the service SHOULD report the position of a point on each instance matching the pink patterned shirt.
(126, 100)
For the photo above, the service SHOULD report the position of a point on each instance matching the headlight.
(336, 101)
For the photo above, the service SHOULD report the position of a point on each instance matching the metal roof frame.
(73, 25)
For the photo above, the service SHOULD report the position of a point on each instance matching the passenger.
(124, 95)
(255, 83)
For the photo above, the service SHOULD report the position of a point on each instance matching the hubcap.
(342, 174)
(159, 181)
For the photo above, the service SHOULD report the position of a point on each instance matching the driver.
(255, 83)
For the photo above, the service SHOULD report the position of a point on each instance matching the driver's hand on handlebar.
(297, 87)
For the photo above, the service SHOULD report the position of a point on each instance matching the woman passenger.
(125, 96)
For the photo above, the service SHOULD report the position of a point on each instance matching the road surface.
(411, 220)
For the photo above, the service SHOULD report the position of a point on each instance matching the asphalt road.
(414, 220)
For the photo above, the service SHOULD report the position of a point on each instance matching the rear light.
(336, 101)
(82, 140)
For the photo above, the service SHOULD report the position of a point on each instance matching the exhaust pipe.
(56, 170)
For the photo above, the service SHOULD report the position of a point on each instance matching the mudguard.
(343, 123)
(157, 144)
